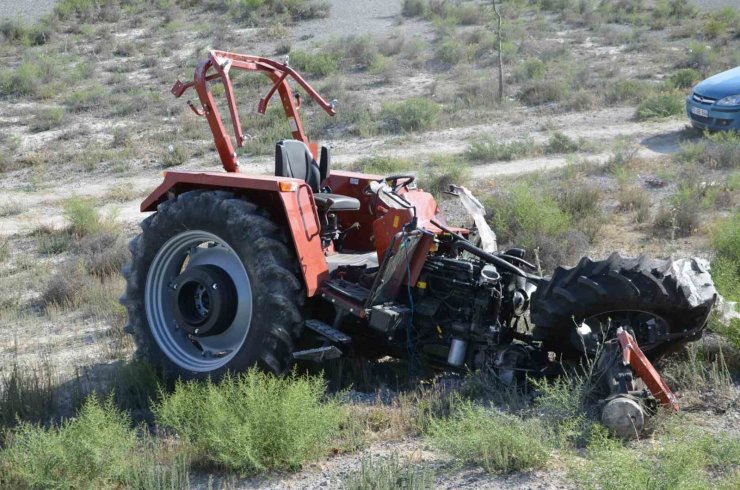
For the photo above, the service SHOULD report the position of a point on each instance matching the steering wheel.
(393, 181)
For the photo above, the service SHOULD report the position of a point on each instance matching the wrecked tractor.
(233, 270)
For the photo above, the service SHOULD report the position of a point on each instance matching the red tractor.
(233, 271)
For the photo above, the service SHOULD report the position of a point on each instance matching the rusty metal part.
(633, 356)
(222, 62)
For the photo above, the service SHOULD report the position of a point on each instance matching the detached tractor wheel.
(664, 303)
(212, 287)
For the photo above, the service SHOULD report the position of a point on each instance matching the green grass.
(521, 214)
(388, 474)
(83, 216)
(685, 78)
(47, 119)
(718, 150)
(726, 266)
(97, 449)
(562, 143)
(414, 114)
(253, 422)
(497, 442)
(678, 216)
(382, 165)
(319, 64)
(634, 199)
(682, 458)
(659, 106)
(442, 171)
(27, 394)
(174, 155)
(489, 150)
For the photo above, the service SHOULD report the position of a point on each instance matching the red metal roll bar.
(222, 62)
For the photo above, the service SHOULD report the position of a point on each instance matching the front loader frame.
(221, 62)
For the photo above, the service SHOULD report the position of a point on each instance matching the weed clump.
(96, 449)
(719, 150)
(441, 172)
(682, 458)
(252, 422)
(634, 199)
(562, 143)
(414, 114)
(320, 64)
(382, 165)
(726, 265)
(388, 474)
(488, 149)
(660, 106)
(27, 394)
(499, 443)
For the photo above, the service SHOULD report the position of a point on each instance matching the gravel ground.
(25, 10)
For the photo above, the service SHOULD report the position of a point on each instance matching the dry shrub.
(632, 198)
(102, 254)
(68, 286)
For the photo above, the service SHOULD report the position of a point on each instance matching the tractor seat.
(335, 202)
(294, 159)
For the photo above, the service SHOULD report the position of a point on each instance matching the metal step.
(318, 354)
(326, 330)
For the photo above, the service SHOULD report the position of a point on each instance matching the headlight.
(731, 100)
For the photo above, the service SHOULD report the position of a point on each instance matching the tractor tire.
(665, 303)
(253, 310)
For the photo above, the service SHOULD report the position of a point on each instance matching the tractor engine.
(469, 305)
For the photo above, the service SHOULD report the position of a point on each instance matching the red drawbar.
(633, 356)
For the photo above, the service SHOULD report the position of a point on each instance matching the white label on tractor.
(293, 125)
(354, 181)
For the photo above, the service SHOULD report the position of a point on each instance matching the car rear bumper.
(724, 119)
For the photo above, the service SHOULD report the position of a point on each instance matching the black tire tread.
(618, 283)
(268, 257)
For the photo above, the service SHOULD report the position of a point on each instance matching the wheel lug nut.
(214, 286)
(196, 331)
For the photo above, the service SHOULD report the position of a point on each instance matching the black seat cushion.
(335, 202)
(294, 159)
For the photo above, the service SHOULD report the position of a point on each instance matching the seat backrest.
(294, 159)
(325, 163)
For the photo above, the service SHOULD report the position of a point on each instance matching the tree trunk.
(500, 60)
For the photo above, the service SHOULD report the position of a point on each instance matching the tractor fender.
(289, 201)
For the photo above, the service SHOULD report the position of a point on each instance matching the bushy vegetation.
(726, 265)
(253, 422)
(388, 474)
(683, 458)
(382, 165)
(488, 149)
(442, 171)
(97, 449)
(659, 106)
(718, 150)
(414, 114)
(318, 64)
(27, 394)
(497, 442)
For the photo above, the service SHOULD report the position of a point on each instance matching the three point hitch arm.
(220, 63)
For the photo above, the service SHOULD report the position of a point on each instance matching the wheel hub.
(203, 300)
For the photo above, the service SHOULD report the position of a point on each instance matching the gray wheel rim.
(188, 249)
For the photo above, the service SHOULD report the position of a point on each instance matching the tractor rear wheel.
(664, 303)
(212, 287)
